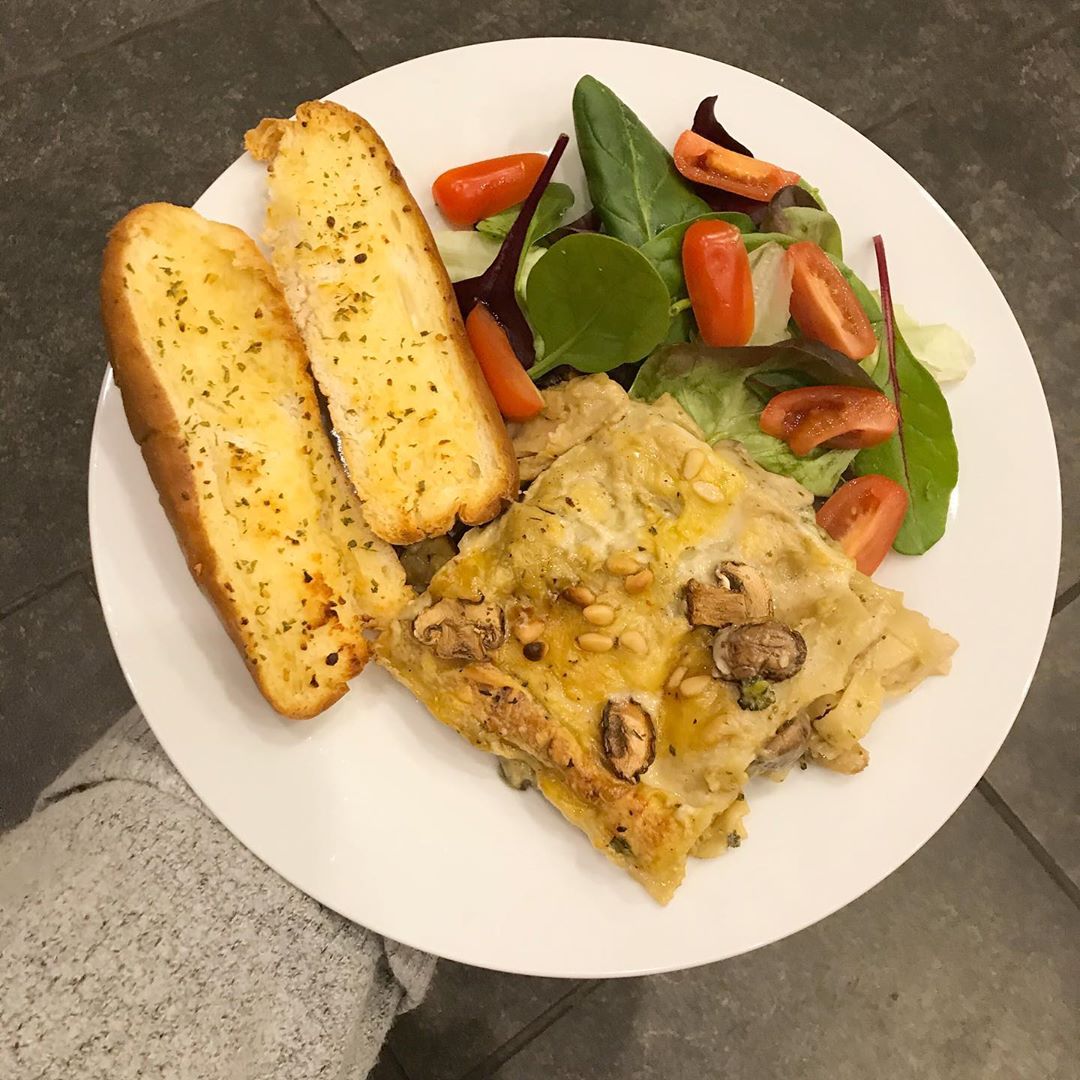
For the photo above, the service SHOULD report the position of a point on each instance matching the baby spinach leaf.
(554, 204)
(922, 455)
(716, 387)
(496, 287)
(595, 302)
(632, 180)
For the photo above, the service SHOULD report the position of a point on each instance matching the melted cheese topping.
(622, 493)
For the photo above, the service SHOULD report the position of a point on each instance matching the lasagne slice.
(655, 621)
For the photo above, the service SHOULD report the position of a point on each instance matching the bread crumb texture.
(419, 431)
(219, 395)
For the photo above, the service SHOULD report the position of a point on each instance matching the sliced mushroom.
(741, 595)
(461, 629)
(517, 774)
(767, 650)
(628, 738)
(785, 747)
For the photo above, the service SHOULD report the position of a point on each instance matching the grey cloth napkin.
(139, 938)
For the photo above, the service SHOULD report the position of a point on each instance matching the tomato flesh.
(470, 193)
(705, 162)
(864, 517)
(838, 417)
(717, 272)
(514, 392)
(824, 306)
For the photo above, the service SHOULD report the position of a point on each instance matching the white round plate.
(384, 815)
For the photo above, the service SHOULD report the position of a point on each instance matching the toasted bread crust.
(468, 498)
(157, 429)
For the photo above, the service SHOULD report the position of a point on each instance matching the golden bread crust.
(420, 433)
(135, 300)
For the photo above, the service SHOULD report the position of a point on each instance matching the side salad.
(716, 277)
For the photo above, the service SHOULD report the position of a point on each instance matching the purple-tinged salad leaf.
(796, 213)
(495, 287)
(784, 199)
(550, 211)
(922, 455)
(708, 127)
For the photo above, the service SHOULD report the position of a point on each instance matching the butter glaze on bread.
(219, 397)
(419, 431)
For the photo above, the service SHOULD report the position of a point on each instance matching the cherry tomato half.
(718, 279)
(514, 392)
(823, 304)
(470, 193)
(715, 166)
(864, 517)
(840, 417)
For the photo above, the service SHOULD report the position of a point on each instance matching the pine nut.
(599, 614)
(634, 640)
(692, 463)
(675, 678)
(580, 595)
(596, 642)
(709, 492)
(694, 685)
(635, 583)
(528, 632)
(623, 563)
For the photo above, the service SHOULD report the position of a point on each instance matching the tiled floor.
(966, 963)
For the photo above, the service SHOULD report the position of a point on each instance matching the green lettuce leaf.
(550, 211)
(724, 389)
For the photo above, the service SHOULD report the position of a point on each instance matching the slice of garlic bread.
(419, 431)
(219, 396)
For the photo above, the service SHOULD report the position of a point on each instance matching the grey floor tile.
(1022, 114)
(1035, 265)
(859, 60)
(965, 965)
(386, 1068)
(60, 688)
(1037, 771)
(468, 1013)
(157, 117)
(41, 33)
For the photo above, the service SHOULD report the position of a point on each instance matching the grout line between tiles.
(891, 117)
(1028, 839)
(502, 1054)
(101, 46)
(91, 581)
(322, 14)
(1066, 598)
(44, 589)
